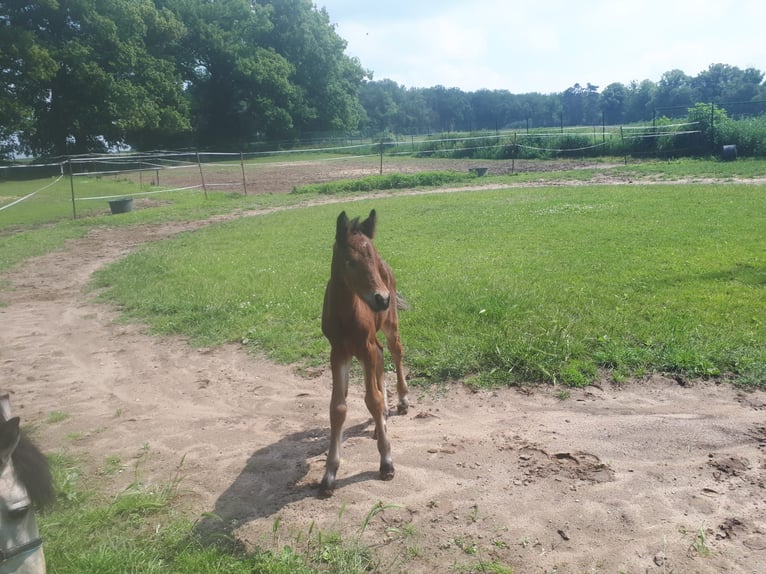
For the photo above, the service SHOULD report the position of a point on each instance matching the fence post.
(381, 155)
(624, 151)
(242, 164)
(71, 187)
(201, 176)
(513, 154)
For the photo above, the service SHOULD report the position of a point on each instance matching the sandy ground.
(652, 476)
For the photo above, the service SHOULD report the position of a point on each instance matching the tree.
(640, 101)
(451, 108)
(493, 109)
(326, 79)
(103, 82)
(580, 105)
(612, 103)
(379, 100)
(25, 70)
(721, 82)
(415, 116)
(238, 88)
(674, 93)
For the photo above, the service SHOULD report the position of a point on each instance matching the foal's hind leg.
(340, 368)
(391, 331)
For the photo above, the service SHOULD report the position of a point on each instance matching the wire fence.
(92, 180)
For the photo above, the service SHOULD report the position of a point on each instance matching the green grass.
(390, 181)
(145, 529)
(44, 222)
(547, 284)
(688, 168)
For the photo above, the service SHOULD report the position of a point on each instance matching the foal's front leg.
(340, 368)
(376, 404)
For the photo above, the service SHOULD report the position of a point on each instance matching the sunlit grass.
(145, 528)
(513, 285)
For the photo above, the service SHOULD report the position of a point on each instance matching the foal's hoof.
(402, 408)
(326, 487)
(386, 472)
(325, 492)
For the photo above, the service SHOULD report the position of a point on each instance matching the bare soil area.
(282, 177)
(652, 476)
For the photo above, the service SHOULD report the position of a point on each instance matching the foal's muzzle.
(379, 302)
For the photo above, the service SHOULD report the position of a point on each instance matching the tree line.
(389, 106)
(86, 76)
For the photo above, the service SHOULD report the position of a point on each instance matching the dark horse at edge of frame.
(360, 300)
(25, 479)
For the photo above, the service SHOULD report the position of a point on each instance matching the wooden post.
(513, 154)
(381, 155)
(242, 165)
(201, 175)
(624, 151)
(71, 186)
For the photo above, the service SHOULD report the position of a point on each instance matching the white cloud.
(547, 45)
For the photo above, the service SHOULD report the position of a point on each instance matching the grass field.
(506, 286)
(555, 284)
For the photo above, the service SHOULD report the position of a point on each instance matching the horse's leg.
(381, 378)
(391, 331)
(373, 398)
(340, 365)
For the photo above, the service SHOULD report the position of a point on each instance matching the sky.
(546, 46)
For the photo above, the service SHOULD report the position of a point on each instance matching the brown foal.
(360, 300)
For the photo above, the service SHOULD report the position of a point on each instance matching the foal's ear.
(341, 227)
(368, 225)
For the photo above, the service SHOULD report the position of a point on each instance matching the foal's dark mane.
(33, 471)
(354, 226)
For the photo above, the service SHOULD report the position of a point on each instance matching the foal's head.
(357, 261)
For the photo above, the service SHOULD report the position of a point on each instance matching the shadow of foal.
(269, 481)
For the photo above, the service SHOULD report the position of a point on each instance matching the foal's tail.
(401, 302)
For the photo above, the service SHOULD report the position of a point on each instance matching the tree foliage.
(101, 73)
(86, 75)
(451, 109)
(83, 76)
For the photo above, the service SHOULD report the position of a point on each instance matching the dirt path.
(651, 477)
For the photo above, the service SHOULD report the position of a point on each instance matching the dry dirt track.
(608, 480)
